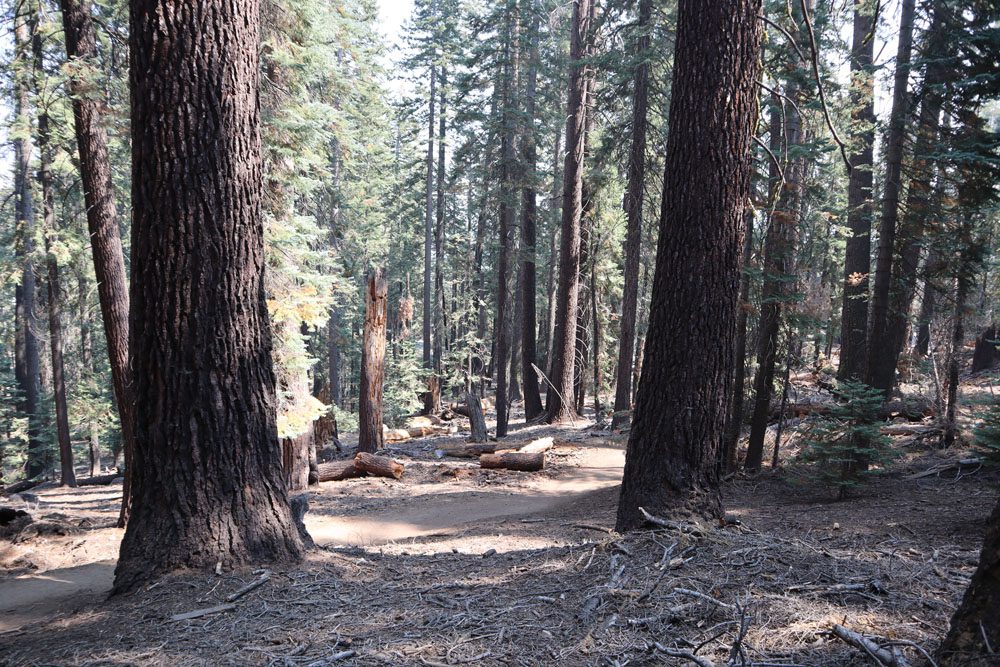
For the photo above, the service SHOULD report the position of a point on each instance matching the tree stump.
(532, 462)
(476, 419)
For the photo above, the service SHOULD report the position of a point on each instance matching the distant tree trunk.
(857, 258)
(881, 369)
(974, 634)
(208, 401)
(554, 244)
(735, 420)
(559, 403)
(507, 210)
(67, 474)
(778, 261)
(102, 223)
(31, 375)
(373, 364)
(670, 464)
(927, 303)
(440, 312)
(529, 221)
(333, 324)
(429, 228)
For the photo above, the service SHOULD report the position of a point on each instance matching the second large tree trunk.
(670, 463)
(373, 364)
(200, 339)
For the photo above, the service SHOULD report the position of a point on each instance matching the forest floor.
(456, 565)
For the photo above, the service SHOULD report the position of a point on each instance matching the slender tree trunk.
(200, 339)
(102, 223)
(857, 258)
(634, 196)
(373, 364)
(735, 423)
(504, 324)
(333, 325)
(529, 221)
(429, 228)
(881, 369)
(778, 261)
(31, 379)
(440, 312)
(559, 403)
(670, 463)
(927, 303)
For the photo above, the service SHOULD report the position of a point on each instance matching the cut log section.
(336, 471)
(379, 466)
(537, 446)
(514, 461)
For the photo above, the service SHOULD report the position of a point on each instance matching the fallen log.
(395, 434)
(531, 462)
(379, 466)
(909, 429)
(468, 451)
(889, 656)
(537, 446)
(424, 431)
(99, 480)
(23, 485)
(336, 471)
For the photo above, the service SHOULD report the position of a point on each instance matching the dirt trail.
(437, 513)
(33, 597)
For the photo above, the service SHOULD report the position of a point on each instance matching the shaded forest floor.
(456, 565)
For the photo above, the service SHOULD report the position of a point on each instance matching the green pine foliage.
(850, 433)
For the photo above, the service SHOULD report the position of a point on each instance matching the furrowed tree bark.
(102, 223)
(529, 221)
(670, 462)
(31, 378)
(857, 258)
(881, 370)
(200, 339)
(634, 196)
(373, 364)
(507, 208)
(975, 627)
(559, 402)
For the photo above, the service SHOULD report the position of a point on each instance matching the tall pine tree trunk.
(429, 229)
(529, 223)
(102, 223)
(670, 463)
(31, 374)
(634, 192)
(200, 339)
(504, 321)
(857, 258)
(881, 369)
(440, 312)
(559, 402)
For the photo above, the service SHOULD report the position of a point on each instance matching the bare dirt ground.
(457, 565)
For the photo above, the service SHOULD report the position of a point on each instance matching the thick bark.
(974, 634)
(857, 258)
(507, 208)
(373, 364)
(200, 340)
(670, 463)
(634, 195)
(429, 228)
(778, 265)
(881, 369)
(29, 326)
(559, 402)
(529, 223)
(477, 423)
(102, 223)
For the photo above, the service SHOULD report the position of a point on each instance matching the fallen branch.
(253, 585)
(198, 613)
(702, 596)
(687, 655)
(886, 656)
(667, 523)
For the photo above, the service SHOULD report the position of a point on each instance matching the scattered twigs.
(667, 523)
(253, 585)
(885, 655)
(198, 613)
(702, 596)
(686, 655)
